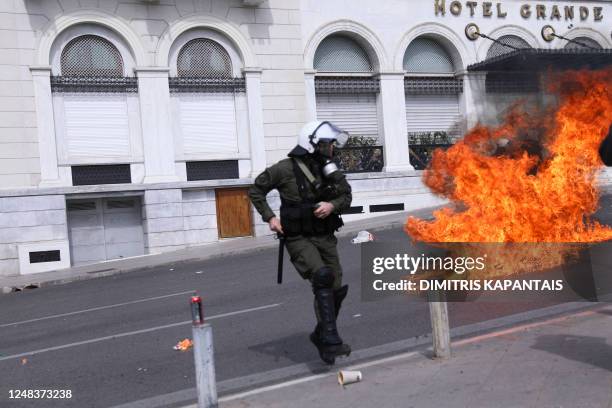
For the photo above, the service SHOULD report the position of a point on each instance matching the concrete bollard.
(438, 311)
(203, 353)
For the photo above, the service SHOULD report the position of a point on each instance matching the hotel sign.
(548, 12)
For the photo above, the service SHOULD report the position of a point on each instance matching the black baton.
(281, 253)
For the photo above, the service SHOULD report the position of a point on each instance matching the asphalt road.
(109, 340)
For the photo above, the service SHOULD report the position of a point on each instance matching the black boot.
(328, 332)
(326, 337)
(339, 296)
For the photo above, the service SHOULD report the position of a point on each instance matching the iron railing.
(421, 146)
(420, 155)
(361, 159)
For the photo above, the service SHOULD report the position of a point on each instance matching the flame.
(183, 345)
(502, 200)
(507, 186)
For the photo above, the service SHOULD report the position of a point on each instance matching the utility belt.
(297, 218)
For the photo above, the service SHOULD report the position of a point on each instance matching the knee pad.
(323, 278)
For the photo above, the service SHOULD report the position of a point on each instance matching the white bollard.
(440, 328)
(203, 353)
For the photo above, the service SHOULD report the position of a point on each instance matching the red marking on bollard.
(197, 314)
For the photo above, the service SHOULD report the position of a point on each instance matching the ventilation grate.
(212, 170)
(102, 174)
(45, 256)
(387, 207)
(354, 210)
(81, 205)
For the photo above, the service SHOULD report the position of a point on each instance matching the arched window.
(498, 48)
(204, 58)
(432, 98)
(504, 88)
(91, 56)
(95, 101)
(584, 40)
(348, 101)
(209, 105)
(427, 56)
(338, 53)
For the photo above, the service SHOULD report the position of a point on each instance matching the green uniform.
(308, 253)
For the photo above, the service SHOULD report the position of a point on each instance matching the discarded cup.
(362, 236)
(348, 377)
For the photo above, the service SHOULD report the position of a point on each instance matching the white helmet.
(315, 132)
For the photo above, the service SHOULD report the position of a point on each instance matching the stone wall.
(29, 220)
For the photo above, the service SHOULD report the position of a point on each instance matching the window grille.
(425, 55)
(205, 58)
(346, 85)
(207, 85)
(498, 49)
(433, 86)
(91, 56)
(584, 40)
(339, 53)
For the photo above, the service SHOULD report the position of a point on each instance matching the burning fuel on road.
(533, 179)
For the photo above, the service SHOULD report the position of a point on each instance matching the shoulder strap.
(306, 171)
(300, 179)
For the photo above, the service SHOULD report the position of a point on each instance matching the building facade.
(134, 127)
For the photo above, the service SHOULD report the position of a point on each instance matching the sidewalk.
(564, 362)
(196, 253)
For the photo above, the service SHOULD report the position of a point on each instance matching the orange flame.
(520, 195)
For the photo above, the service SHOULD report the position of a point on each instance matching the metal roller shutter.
(104, 229)
(208, 122)
(96, 125)
(355, 113)
(431, 113)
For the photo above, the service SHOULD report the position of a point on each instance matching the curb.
(192, 254)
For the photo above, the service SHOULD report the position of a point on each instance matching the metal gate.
(104, 228)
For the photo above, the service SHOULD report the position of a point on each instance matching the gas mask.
(324, 155)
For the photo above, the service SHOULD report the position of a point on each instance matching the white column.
(472, 98)
(311, 96)
(157, 137)
(393, 111)
(256, 129)
(45, 125)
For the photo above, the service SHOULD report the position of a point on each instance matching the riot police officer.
(313, 193)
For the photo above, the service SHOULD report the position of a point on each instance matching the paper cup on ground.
(362, 236)
(348, 377)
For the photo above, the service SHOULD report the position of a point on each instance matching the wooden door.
(233, 213)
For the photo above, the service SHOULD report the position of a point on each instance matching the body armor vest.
(297, 217)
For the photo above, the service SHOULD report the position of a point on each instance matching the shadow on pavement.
(296, 348)
(585, 349)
